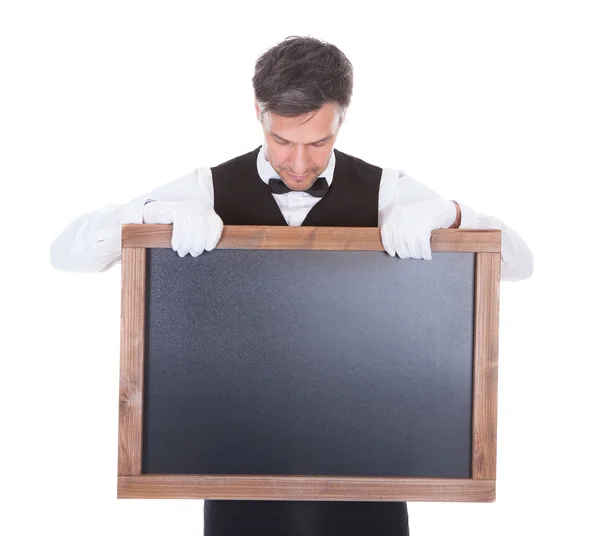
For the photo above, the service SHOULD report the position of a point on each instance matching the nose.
(299, 160)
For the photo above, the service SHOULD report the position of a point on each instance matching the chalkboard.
(307, 364)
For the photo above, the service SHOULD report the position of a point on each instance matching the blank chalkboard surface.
(299, 362)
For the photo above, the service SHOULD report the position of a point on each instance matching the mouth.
(298, 177)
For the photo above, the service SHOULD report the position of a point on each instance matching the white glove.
(407, 230)
(196, 226)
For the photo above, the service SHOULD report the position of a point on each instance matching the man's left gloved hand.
(407, 230)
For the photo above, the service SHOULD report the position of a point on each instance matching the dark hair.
(301, 74)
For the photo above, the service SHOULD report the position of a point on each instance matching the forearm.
(92, 242)
(516, 257)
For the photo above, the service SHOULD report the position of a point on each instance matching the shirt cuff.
(468, 218)
(134, 212)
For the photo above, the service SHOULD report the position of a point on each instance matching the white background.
(495, 104)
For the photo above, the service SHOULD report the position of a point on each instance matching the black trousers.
(304, 518)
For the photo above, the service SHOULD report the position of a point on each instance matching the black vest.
(242, 198)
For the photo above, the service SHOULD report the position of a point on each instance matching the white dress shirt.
(92, 242)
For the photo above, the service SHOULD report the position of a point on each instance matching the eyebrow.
(311, 143)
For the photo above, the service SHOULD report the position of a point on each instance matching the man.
(302, 88)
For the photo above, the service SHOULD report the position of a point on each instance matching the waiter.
(302, 87)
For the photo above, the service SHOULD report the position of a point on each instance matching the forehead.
(305, 128)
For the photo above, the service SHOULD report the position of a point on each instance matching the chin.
(301, 185)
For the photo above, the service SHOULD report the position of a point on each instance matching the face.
(299, 148)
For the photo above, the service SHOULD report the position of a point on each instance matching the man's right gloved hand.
(196, 227)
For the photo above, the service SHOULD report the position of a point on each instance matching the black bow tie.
(318, 189)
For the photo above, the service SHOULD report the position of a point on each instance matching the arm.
(92, 242)
(399, 189)
(517, 258)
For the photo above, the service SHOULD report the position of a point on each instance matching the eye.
(320, 144)
(281, 142)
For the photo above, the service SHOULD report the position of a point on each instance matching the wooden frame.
(481, 487)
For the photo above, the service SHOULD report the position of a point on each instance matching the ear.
(341, 119)
(257, 110)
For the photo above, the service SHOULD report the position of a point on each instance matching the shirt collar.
(266, 171)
